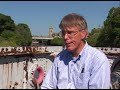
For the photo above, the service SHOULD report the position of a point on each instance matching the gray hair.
(73, 19)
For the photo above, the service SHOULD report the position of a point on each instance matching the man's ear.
(84, 34)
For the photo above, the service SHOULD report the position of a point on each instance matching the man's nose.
(66, 36)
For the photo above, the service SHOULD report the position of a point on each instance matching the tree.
(7, 28)
(93, 36)
(110, 34)
(6, 23)
(12, 35)
(23, 35)
(57, 41)
(6, 34)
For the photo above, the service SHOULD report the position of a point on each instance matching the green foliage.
(6, 43)
(110, 35)
(93, 36)
(12, 35)
(23, 35)
(6, 23)
(6, 34)
(57, 41)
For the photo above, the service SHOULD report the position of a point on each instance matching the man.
(80, 66)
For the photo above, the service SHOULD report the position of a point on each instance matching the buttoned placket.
(72, 66)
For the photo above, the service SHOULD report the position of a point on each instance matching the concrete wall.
(108, 50)
(16, 70)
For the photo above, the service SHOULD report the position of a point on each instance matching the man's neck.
(78, 50)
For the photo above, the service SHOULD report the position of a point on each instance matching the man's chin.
(69, 49)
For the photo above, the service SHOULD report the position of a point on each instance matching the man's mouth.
(68, 44)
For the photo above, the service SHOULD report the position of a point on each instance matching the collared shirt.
(90, 70)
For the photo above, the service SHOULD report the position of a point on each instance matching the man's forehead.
(71, 27)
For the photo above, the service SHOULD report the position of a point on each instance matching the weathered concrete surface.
(16, 71)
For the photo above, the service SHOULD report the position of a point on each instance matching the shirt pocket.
(83, 80)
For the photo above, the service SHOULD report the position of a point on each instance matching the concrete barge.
(17, 64)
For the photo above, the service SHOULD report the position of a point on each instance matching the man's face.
(72, 37)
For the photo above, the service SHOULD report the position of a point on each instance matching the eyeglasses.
(69, 33)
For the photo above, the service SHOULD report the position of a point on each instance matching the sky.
(40, 15)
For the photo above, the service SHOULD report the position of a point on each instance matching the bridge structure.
(41, 41)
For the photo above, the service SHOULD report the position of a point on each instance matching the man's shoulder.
(94, 50)
(97, 54)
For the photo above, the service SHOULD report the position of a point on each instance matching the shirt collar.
(81, 53)
(83, 50)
